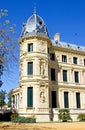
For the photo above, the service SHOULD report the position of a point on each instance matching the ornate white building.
(52, 74)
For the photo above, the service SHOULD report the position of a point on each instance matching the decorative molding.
(39, 37)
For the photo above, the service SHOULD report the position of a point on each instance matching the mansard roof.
(68, 45)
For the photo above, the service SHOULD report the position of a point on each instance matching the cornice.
(15, 90)
(68, 87)
(56, 48)
(71, 66)
(39, 37)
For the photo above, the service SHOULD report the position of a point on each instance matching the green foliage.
(2, 98)
(9, 98)
(14, 116)
(64, 115)
(81, 117)
(20, 119)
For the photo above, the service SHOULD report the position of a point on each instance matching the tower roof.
(34, 25)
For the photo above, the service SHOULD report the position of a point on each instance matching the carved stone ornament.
(42, 67)
(42, 93)
(42, 46)
(42, 96)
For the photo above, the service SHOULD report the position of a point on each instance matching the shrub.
(81, 117)
(64, 115)
(20, 119)
(14, 115)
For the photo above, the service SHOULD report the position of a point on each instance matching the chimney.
(57, 37)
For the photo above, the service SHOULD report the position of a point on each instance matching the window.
(30, 68)
(76, 76)
(30, 97)
(75, 60)
(48, 50)
(53, 99)
(30, 47)
(66, 103)
(64, 58)
(52, 74)
(78, 100)
(52, 56)
(84, 61)
(65, 75)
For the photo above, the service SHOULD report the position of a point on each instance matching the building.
(52, 74)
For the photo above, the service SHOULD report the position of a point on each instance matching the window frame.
(78, 101)
(75, 60)
(65, 79)
(52, 56)
(53, 74)
(30, 47)
(76, 76)
(30, 97)
(66, 100)
(30, 68)
(64, 58)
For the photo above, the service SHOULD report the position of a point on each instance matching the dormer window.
(40, 22)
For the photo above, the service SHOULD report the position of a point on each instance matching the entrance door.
(53, 99)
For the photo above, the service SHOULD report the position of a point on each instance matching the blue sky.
(66, 17)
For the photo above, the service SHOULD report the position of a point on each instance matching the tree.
(8, 43)
(9, 98)
(2, 98)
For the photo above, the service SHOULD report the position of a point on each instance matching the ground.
(43, 126)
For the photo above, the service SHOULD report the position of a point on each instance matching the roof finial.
(34, 8)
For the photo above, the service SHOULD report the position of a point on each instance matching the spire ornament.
(35, 8)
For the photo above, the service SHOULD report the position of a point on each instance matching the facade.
(52, 74)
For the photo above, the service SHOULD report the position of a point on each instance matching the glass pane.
(30, 97)
(76, 77)
(64, 58)
(65, 75)
(30, 47)
(75, 60)
(66, 100)
(52, 74)
(30, 68)
(78, 100)
(52, 57)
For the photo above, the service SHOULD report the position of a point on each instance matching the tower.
(34, 62)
